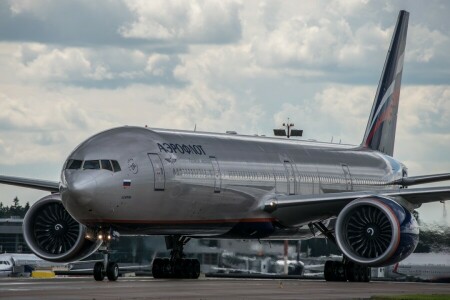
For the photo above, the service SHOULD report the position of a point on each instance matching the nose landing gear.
(106, 267)
(177, 266)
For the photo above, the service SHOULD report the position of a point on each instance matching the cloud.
(426, 44)
(191, 21)
(75, 23)
(338, 111)
(59, 65)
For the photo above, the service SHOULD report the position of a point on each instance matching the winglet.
(380, 131)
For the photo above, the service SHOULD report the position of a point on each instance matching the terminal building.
(11, 237)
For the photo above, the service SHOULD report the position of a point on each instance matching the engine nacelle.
(376, 231)
(53, 235)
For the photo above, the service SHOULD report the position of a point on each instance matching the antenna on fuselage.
(287, 131)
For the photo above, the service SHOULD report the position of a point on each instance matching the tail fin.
(380, 131)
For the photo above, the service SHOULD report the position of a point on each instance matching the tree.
(14, 210)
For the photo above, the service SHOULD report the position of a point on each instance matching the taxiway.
(205, 288)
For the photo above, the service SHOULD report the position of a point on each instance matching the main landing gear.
(177, 266)
(345, 270)
(106, 267)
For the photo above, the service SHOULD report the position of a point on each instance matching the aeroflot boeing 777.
(183, 185)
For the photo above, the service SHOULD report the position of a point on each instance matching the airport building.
(11, 237)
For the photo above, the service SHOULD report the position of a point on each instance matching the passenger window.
(91, 165)
(115, 165)
(74, 164)
(106, 165)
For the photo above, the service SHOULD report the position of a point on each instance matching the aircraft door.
(217, 175)
(348, 177)
(290, 174)
(158, 171)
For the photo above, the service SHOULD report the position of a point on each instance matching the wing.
(44, 185)
(413, 180)
(298, 209)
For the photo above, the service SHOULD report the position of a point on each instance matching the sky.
(70, 69)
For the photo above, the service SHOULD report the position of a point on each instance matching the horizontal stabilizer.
(44, 185)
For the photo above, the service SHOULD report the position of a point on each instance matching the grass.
(412, 297)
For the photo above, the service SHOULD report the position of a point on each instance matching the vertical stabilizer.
(380, 131)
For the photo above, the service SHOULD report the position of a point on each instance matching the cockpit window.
(74, 164)
(106, 165)
(116, 165)
(91, 165)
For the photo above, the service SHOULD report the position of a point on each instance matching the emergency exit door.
(158, 172)
(217, 175)
(291, 182)
(348, 177)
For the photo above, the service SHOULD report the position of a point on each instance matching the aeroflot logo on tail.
(181, 148)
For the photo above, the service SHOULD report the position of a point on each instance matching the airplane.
(183, 185)
(11, 263)
(243, 264)
(432, 267)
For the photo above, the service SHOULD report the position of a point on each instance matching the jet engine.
(376, 231)
(53, 235)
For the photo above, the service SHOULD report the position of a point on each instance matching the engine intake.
(376, 231)
(53, 235)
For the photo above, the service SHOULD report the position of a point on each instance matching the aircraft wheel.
(185, 267)
(359, 273)
(328, 270)
(362, 273)
(341, 272)
(350, 271)
(178, 268)
(195, 268)
(112, 271)
(167, 268)
(99, 273)
(368, 274)
(157, 268)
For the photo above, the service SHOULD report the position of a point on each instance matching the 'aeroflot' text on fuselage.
(181, 148)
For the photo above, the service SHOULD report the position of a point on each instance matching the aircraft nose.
(77, 190)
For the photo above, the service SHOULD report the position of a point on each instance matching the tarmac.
(206, 288)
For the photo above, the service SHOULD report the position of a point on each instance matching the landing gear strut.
(345, 270)
(177, 266)
(106, 267)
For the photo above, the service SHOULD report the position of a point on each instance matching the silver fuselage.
(205, 184)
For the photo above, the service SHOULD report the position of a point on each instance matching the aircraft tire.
(178, 268)
(157, 268)
(350, 271)
(187, 268)
(328, 271)
(99, 273)
(367, 274)
(340, 271)
(195, 269)
(112, 271)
